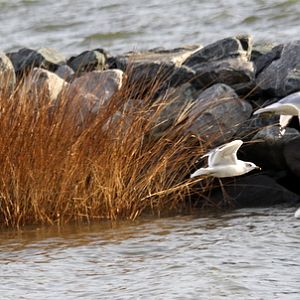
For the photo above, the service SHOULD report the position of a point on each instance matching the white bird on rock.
(287, 107)
(223, 162)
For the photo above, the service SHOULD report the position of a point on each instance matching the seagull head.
(251, 166)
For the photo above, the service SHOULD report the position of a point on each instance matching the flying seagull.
(223, 162)
(287, 107)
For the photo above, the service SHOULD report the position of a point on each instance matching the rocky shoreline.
(227, 79)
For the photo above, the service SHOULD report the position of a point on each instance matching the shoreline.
(192, 97)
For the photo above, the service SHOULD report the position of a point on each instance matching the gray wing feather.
(225, 154)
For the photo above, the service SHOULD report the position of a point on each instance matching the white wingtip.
(261, 110)
(198, 172)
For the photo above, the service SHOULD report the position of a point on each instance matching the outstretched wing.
(289, 105)
(291, 99)
(225, 154)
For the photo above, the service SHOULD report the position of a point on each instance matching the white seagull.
(223, 162)
(287, 107)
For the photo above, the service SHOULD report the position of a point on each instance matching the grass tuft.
(56, 168)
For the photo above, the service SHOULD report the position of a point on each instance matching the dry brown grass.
(54, 170)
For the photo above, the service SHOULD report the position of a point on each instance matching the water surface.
(72, 26)
(245, 254)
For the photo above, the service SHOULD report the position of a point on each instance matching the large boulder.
(239, 46)
(282, 76)
(44, 85)
(95, 88)
(237, 72)
(7, 75)
(26, 59)
(266, 148)
(291, 154)
(263, 58)
(65, 72)
(156, 64)
(88, 61)
(254, 190)
(175, 99)
(218, 113)
(225, 61)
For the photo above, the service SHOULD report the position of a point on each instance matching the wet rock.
(154, 64)
(291, 154)
(176, 99)
(81, 106)
(26, 59)
(225, 61)
(260, 49)
(231, 47)
(233, 71)
(88, 61)
(7, 75)
(282, 76)
(255, 124)
(265, 59)
(180, 76)
(254, 191)
(267, 146)
(65, 72)
(43, 85)
(217, 114)
(100, 84)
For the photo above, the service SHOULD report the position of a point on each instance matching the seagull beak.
(257, 167)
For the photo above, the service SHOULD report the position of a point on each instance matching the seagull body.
(223, 162)
(287, 107)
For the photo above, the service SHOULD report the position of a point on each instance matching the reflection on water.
(245, 254)
(71, 26)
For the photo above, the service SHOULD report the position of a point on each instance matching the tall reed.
(56, 169)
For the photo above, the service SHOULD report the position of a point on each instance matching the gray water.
(244, 254)
(72, 26)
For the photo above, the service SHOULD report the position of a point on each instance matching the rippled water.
(72, 26)
(245, 254)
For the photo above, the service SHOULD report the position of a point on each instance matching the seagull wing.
(291, 99)
(225, 154)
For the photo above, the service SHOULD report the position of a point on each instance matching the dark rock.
(7, 75)
(223, 49)
(265, 60)
(88, 61)
(26, 59)
(99, 85)
(217, 114)
(233, 71)
(282, 76)
(155, 64)
(180, 76)
(260, 49)
(266, 148)
(253, 125)
(291, 153)
(65, 72)
(225, 61)
(255, 190)
(177, 99)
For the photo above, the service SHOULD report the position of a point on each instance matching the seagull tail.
(201, 171)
